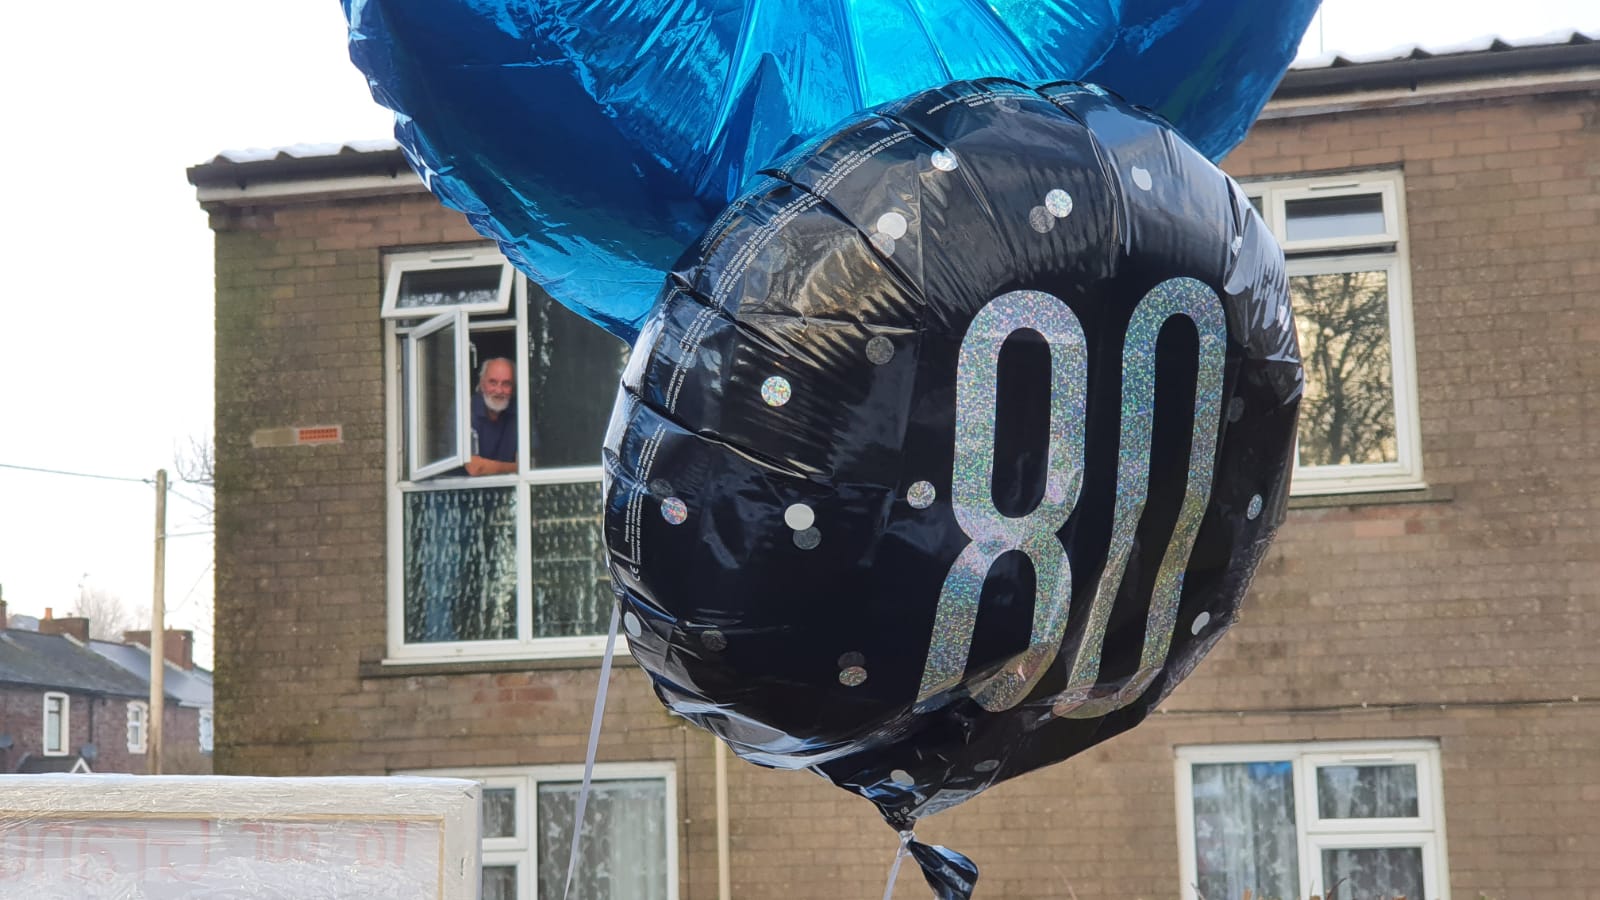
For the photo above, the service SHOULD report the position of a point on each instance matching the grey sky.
(105, 346)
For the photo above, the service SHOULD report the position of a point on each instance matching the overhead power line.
(77, 474)
(101, 477)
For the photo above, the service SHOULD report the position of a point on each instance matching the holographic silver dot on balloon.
(893, 224)
(880, 350)
(900, 776)
(775, 391)
(1200, 622)
(1254, 509)
(1141, 177)
(853, 676)
(1058, 203)
(921, 494)
(675, 511)
(986, 765)
(714, 640)
(807, 538)
(944, 161)
(1237, 245)
(631, 623)
(1235, 409)
(799, 516)
(883, 242)
(1040, 220)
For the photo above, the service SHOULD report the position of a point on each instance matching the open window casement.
(426, 284)
(438, 371)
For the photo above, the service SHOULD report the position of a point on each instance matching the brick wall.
(102, 721)
(1469, 618)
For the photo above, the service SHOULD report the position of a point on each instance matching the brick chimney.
(176, 645)
(72, 626)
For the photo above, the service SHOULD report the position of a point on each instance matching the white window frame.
(413, 394)
(1314, 833)
(206, 724)
(65, 737)
(1280, 194)
(525, 645)
(521, 850)
(1389, 252)
(472, 258)
(138, 726)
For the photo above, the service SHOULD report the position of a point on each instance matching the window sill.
(406, 668)
(1439, 493)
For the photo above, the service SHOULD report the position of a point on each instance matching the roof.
(1407, 65)
(379, 165)
(190, 687)
(1487, 43)
(57, 662)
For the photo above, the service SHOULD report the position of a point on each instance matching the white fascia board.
(1584, 79)
(300, 190)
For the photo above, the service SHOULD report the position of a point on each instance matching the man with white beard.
(494, 420)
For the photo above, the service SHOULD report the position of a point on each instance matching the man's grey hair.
(483, 370)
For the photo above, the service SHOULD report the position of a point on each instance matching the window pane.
(436, 413)
(495, 404)
(1373, 873)
(498, 813)
(1367, 792)
(136, 718)
(499, 883)
(427, 288)
(461, 565)
(571, 588)
(573, 368)
(623, 854)
(1347, 415)
(1244, 829)
(54, 740)
(1322, 218)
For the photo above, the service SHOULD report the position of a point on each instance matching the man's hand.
(479, 465)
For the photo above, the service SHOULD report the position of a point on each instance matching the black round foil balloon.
(952, 446)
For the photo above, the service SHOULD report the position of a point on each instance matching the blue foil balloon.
(595, 140)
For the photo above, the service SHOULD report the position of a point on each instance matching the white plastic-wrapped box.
(130, 837)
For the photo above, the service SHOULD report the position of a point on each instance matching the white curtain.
(1244, 831)
(623, 855)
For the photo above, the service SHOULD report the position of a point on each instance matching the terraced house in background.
(70, 703)
(1408, 707)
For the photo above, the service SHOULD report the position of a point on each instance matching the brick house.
(71, 704)
(1409, 703)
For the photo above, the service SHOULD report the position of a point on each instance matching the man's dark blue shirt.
(494, 438)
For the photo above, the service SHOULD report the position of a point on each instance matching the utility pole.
(158, 629)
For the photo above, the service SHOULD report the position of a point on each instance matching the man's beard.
(494, 405)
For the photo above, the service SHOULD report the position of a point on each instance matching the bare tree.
(197, 463)
(195, 466)
(1347, 413)
(108, 615)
